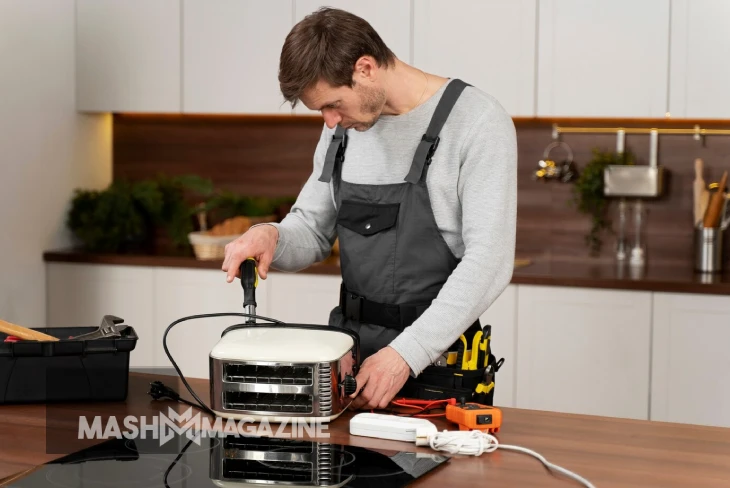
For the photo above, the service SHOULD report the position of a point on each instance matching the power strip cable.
(475, 443)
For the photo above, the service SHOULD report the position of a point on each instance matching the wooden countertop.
(540, 271)
(609, 452)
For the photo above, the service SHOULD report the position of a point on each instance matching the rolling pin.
(714, 209)
(24, 333)
(701, 195)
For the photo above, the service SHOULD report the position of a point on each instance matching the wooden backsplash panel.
(272, 156)
(261, 156)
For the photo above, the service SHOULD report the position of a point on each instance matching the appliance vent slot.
(251, 443)
(271, 375)
(267, 471)
(325, 388)
(268, 402)
(325, 463)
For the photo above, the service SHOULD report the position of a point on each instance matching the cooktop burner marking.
(147, 472)
(347, 458)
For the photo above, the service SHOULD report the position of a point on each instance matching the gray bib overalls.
(393, 257)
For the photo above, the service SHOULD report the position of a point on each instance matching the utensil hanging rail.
(697, 131)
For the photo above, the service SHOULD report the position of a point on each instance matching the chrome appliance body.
(255, 461)
(283, 372)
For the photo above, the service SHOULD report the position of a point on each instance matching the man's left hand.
(380, 378)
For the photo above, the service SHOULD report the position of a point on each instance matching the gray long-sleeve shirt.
(472, 184)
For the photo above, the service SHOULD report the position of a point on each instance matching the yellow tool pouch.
(438, 382)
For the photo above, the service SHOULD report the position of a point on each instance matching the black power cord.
(159, 390)
(169, 468)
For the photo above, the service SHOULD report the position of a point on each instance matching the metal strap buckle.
(353, 306)
(434, 144)
(342, 145)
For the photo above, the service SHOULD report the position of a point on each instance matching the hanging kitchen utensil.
(713, 216)
(700, 193)
(549, 169)
(637, 181)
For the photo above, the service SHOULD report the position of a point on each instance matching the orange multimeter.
(475, 416)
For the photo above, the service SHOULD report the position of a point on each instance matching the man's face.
(353, 108)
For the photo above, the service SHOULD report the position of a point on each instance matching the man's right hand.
(259, 243)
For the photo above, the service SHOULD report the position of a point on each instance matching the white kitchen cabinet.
(391, 19)
(584, 351)
(79, 295)
(700, 47)
(231, 52)
(603, 59)
(181, 292)
(690, 359)
(488, 43)
(502, 316)
(302, 298)
(128, 56)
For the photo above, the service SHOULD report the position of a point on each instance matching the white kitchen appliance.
(281, 372)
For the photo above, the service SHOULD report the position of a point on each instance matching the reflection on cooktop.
(230, 461)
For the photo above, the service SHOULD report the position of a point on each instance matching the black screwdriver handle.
(249, 281)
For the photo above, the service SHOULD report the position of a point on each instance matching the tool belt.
(435, 382)
(360, 309)
(438, 382)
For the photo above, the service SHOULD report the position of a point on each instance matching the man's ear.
(366, 69)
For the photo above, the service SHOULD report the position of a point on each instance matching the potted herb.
(588, 196)
(180, 200)
(125, 216)
(118, 219)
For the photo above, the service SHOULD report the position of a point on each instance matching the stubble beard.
(373, 100)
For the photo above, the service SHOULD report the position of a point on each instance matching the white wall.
(46, 148)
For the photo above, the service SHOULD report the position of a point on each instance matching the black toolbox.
(66, 370)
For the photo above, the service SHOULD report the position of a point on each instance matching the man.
(416, 175)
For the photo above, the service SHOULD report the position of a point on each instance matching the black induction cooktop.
(230, 461)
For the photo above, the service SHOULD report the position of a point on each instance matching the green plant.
(123, 217)
(178, 195)
(588, 194)
(119, 218)
(225, 204)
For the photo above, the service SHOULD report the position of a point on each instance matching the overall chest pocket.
(367, 219)
(368, 237)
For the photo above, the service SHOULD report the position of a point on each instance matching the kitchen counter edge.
(582, 274)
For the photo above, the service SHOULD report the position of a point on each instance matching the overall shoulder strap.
(430, 140)
(335, 151)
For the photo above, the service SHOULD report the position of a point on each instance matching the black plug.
(159, 390)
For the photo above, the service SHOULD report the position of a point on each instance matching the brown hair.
(325, 45)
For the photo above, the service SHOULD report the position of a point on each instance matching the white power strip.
(390, 427)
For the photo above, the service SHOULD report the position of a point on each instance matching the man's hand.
(380, 378)
(258, 243)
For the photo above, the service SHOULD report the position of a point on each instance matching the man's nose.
(331, 118)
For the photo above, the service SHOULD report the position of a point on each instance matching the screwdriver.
(249, 282)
